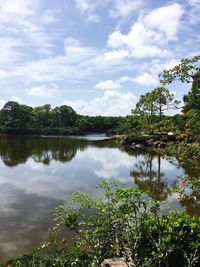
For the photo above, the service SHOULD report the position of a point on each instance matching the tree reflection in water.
(16, 150)
(150, 179)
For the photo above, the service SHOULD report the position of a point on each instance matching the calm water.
(39, 173)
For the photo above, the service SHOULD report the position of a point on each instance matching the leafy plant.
(123, 223)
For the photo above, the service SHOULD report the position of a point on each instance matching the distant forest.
(22, 119)
(45, 120)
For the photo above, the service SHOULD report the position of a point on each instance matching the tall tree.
(146, 109)
(164, 101)
(188, 71)
(154, 103)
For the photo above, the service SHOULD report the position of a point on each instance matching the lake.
(40, 173)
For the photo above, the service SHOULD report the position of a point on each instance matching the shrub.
(120, 224)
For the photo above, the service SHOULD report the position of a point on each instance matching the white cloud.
(116, 55)
(88, 7)
(11, 10)
(157, 66)
(139, 42)
(165, 19)
(22, 20)
(112, 103)
(123, 8)
(108, 85)
(77, 62)
(146, 79)
(75, 52)
(41, 91)
(149, 36)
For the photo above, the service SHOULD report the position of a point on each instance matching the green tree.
(192, 99)
(146, 109)
(185, 71)
(63, 116)
(16, 116)
(188, 71)
(193, 123)
(155, 103)
(164, 100)
(42, 116)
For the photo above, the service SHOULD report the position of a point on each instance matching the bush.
(120, 224)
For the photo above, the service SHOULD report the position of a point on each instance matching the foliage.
(192, 99)
(63, 120)
(163, 100)
(193, 124)
(121, 224)
(155, 103)
(185, 71)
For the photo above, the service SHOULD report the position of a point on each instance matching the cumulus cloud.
(112, 103)
(149, 35)
(165, 19)
(146, 79)
(108, 85)
(41, 91)
(119, 54)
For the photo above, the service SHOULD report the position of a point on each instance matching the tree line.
(20, 118)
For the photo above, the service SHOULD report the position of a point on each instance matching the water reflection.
(16, 150)
(151, 179)
(37, 174)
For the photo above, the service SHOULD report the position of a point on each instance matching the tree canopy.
(185, 71)
(155, 103)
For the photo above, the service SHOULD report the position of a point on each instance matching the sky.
(97, 56)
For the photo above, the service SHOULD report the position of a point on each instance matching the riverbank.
(168, 144)
(145, 141)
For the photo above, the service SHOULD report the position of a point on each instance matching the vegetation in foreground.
(121, 224)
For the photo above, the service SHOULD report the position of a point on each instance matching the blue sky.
(97, 56)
